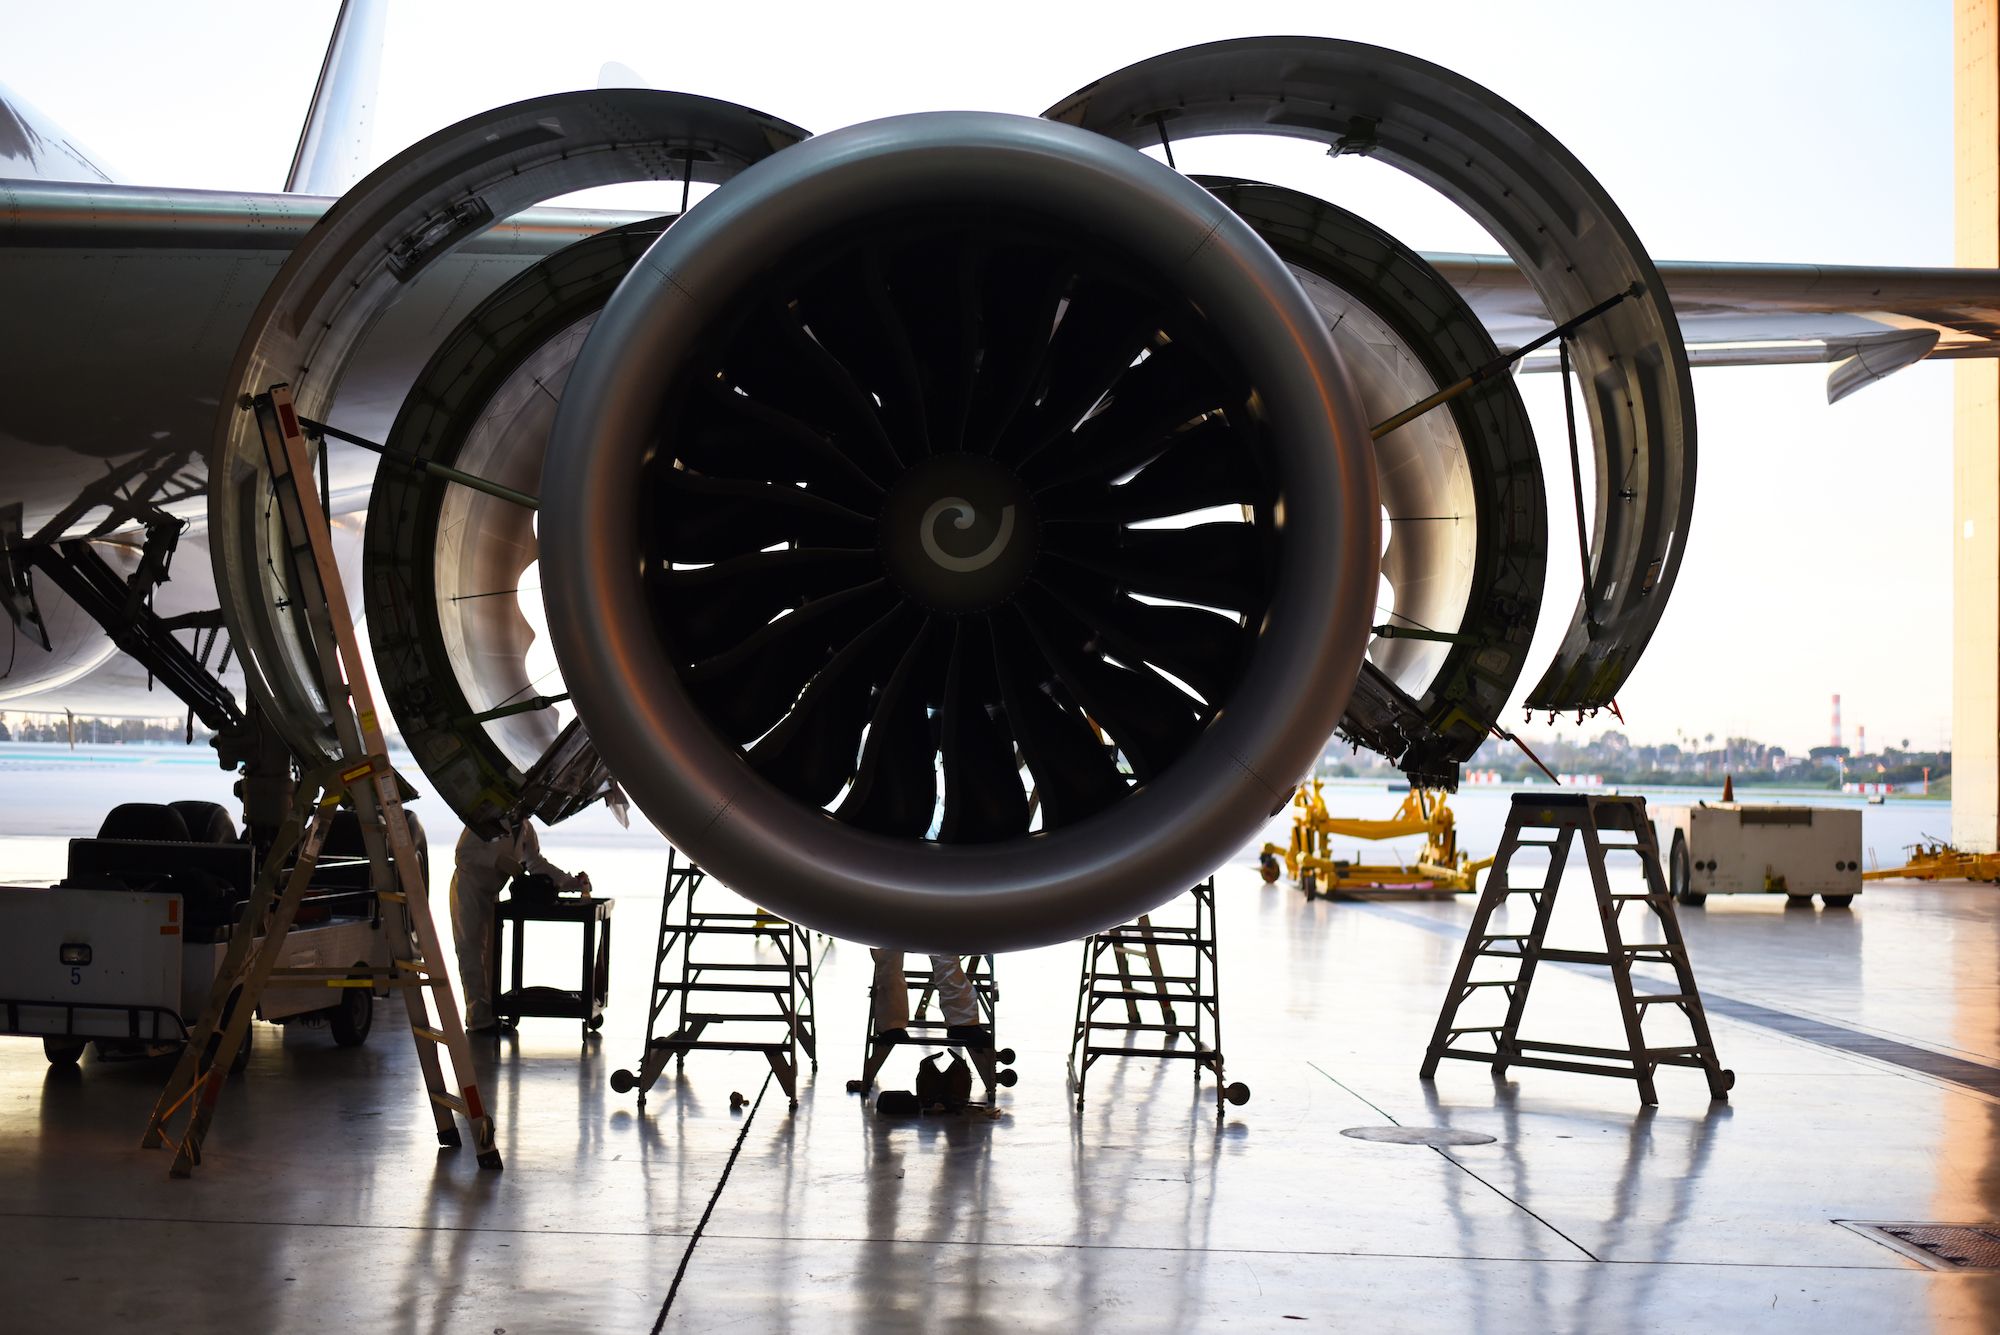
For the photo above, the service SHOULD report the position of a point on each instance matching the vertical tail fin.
(334, 143)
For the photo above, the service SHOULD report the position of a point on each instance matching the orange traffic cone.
(1728, 788)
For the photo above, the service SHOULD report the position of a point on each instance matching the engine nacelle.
(965, 529)
(961, 530)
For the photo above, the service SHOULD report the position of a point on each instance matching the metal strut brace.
(421, 465)
(1497, 365)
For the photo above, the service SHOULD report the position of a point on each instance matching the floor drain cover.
(1939, 1246)
(1435, 1136)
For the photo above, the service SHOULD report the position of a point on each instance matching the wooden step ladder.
(751, 1006)
(363, 777)
(1554, 822)
(1188, 1002)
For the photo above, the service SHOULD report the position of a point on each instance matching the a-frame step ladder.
(1111, 993)
(1554, 822)
(724, 1005)
(363, 776)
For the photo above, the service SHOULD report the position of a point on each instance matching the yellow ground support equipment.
(1439, 869)
(1940, 862)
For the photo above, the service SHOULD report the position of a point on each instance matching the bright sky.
(1820, 555)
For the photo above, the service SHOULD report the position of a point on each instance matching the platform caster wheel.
(1798, 901)
(351, 1020)
(1009, 1077)
(62, 1052)
(622, 1082)
(1836, 901)
(1691, 899)
(594, 1023)
(1237, 1094)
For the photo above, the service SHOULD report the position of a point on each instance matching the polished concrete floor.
(1866, 1045)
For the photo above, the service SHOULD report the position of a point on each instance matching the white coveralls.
(482, 868)
(892, 991)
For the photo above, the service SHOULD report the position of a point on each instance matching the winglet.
(339, 128)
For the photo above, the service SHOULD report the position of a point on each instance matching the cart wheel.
(63, 1051)
(594, 1023)
(1798, 901)
(1004, 1056)
(1729, 1079)
(623, 1081)
(1680, 873)
(1309, 882)
(1836, 901)
(350, 1021)
(1009, 1077)
(1237, 1094)
(1267, 867)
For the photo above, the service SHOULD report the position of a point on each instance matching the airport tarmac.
(1866, 1045)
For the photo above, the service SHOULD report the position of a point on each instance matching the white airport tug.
(124, 951)
(1736, 848)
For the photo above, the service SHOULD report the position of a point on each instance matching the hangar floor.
(1866, 1045)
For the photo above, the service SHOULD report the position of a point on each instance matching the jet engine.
(980, 526)
(962, 531)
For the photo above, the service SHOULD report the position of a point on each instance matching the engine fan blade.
(731, 435)
(1151, 721)
(1021, 294)
(1201, 466)
(1215, 565)
(847, 308)
(1146, 408)
(1103, 330)
(813, 752)
(776, 361)
(708, 610)
(1074, 774)
(1204, 649)
(749, 688)
(895, 788)
(934, 287)
(984, 799)
(713, 519)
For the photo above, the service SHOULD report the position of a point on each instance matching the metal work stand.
(994, 1063)
(1188, 1003)
(587, 1002)
(730, 986)
(1556, 821)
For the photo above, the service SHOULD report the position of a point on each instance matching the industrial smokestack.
(1836, 722)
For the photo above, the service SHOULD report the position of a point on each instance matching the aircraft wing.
(152, 288)
(1867, 321)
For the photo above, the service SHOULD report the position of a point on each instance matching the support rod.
(449, 474)
(1497, 365)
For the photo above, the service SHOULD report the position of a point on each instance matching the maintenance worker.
(955, 998)
(483, 867)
